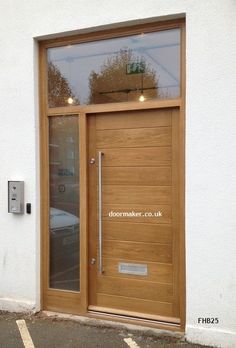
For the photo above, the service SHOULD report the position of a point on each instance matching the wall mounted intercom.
(16, 197)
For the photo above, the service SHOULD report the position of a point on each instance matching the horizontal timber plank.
(138, 251)
(136, 176)
(141, 306)
(136, 194)
(140, 137)
(134, 119)
(135, 288)
(138, 232)
(149, 156)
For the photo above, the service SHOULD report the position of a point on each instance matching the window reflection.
(64, 203)
(115, 70)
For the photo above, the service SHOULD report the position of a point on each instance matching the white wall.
(210, 146)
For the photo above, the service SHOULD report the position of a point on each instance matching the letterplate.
(133, 268)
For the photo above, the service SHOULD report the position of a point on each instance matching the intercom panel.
(16, 197)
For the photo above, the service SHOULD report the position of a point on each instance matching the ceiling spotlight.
(141, 98)
(70, 100)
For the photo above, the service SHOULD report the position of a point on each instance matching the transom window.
(131, 68)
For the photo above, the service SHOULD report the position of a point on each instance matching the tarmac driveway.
(41, 331)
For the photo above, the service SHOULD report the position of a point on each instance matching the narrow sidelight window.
(64, 236)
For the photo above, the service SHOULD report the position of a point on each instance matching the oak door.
(133, 213)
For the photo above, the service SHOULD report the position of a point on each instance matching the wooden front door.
(133, 213)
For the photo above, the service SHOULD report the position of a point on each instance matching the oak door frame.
(50, 298)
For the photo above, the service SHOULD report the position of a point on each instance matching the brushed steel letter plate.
(133, 268)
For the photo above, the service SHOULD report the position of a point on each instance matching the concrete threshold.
(112, 324)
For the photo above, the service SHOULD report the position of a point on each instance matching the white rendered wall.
(210, 146)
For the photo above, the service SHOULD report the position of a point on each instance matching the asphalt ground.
(41, 331)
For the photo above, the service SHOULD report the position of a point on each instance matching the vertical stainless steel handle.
(100, 154)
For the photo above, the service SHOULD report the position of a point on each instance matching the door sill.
(158, 322)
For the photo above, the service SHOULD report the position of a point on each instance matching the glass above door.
(131, 68)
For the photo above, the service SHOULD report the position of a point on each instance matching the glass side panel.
(64, 203)
(132, 68)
